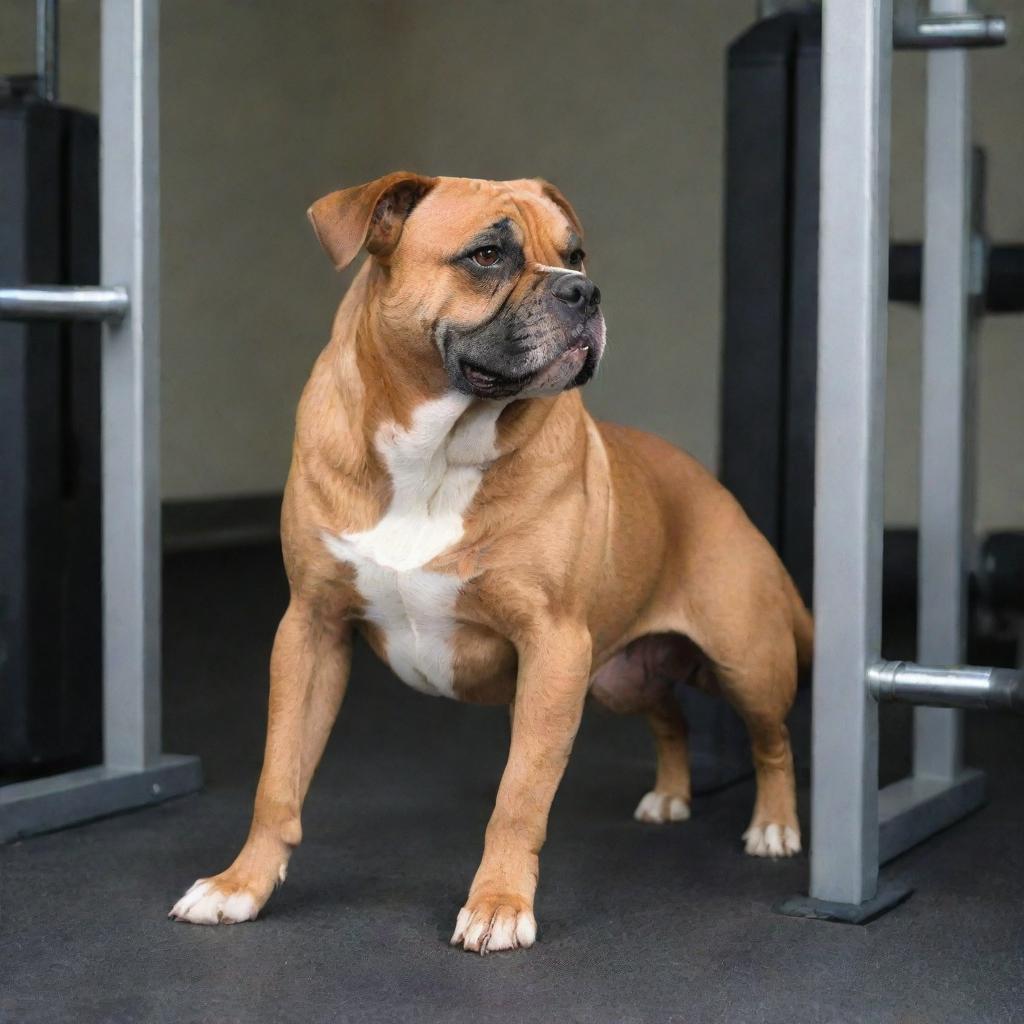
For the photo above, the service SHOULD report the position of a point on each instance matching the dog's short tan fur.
(592, 557)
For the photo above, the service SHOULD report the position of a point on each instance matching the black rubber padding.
(638, 924)
(890, 894)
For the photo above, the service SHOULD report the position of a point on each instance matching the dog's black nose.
(577, 291)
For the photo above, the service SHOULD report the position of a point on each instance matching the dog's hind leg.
(774, 830)
(754, 659)
(639, 680)
(669, 800)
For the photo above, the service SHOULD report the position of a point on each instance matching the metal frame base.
(911, 810)
(890, 894)
(71, 798)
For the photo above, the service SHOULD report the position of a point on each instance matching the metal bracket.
(914, 29)
(988, 689)
(63, 302)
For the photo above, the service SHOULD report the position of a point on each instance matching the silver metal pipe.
(130, 250)
(852, 309)
(63, 302)
(953, 31)
(991, 689)
(47, 43)
(947, 396)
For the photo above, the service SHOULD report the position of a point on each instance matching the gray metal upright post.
(856, 59)
(946, 500)
(130, 199)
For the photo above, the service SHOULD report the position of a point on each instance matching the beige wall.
(267, 105)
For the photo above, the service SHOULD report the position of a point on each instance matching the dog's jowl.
(451, 499)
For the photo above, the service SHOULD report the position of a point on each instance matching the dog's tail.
(803, 626)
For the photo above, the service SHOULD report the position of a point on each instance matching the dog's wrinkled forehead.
(405, 217)
(527, 220)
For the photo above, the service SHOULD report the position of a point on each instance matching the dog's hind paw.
(208, 903)
(657, 808)
(772, 840)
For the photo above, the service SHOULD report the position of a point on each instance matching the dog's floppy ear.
(562, 203)
(372, 215)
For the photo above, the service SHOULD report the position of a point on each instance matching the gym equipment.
(770, 270)
(50, 583)
(134, 772)
(769, 351)
(856, 827)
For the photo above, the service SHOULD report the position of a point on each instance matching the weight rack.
(855, 826)
(134, 771)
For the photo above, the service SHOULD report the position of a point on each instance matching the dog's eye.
(488, 256)
(576, 258)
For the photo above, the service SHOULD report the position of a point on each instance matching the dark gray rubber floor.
(637, 923)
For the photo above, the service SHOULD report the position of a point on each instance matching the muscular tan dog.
(451, 499)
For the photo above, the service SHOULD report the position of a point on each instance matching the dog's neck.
(381, 379)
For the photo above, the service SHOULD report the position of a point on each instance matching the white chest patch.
(436, 466)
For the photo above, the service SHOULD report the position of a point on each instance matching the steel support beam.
(130, 246)
(947, 388)
(856, 57)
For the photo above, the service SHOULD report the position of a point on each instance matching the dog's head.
(487, 276)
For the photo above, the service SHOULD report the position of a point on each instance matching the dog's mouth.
(489, 383)
(571, 368)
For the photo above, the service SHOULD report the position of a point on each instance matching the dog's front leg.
(309, 671)
(554, 671)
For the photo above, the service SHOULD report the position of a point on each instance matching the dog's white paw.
(489, 927)
(772, 840)
(207, 903)
(658, 808)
